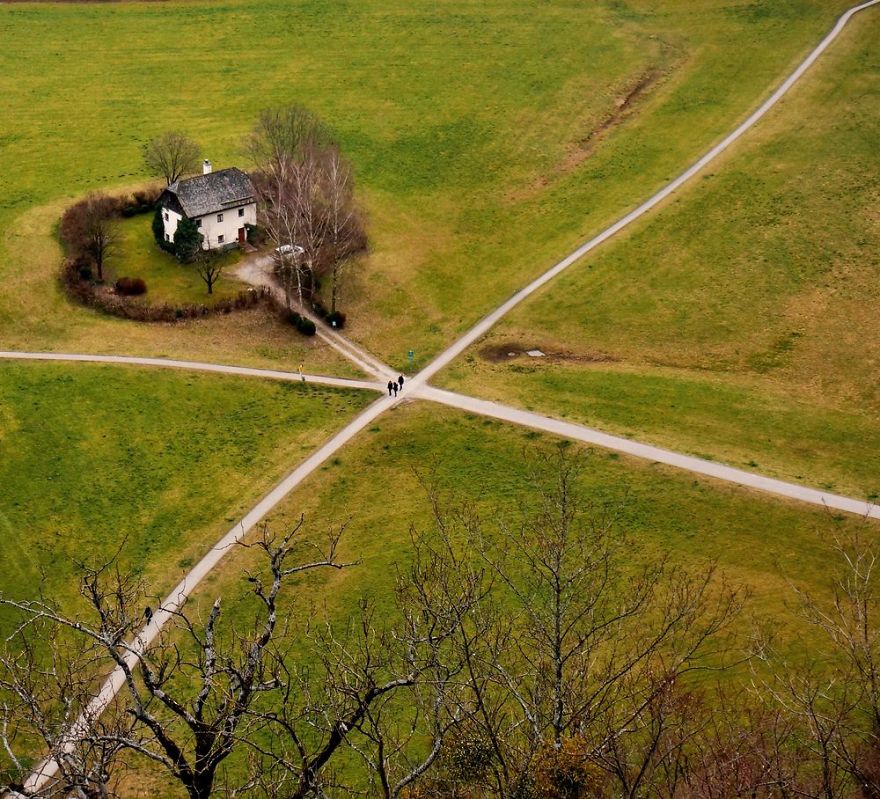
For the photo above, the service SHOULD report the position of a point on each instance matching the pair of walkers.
(395, 385)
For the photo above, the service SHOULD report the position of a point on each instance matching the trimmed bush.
(256, 235)
(131, 286)
(320, 309)
(291, 317)
(301, 323)
(306, 327)
(336, 319)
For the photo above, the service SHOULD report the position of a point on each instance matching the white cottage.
(220, 203)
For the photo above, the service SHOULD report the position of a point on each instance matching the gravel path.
(197, 366)
(257, 271)
(689, 463)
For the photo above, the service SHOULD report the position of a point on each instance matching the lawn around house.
(168, 280)
(739, 322)
(248, 338)
(487, 140)
(152, 464)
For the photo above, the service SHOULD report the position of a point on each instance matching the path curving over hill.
(483, 326)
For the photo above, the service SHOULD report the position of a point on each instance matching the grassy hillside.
(739, 322)
(488, 138)
(758, 541)
(154, 464)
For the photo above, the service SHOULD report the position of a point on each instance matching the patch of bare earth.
(511, 351)
(578, 151)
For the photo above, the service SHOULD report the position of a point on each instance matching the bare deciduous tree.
(305, 192)
(534, 654)
(90, 229)
(597, 642)
(101, 231)
(47, 680)
(385, 693)
(835, 695)
(203, 690)
(171, 156)
(209, 266)
(285, 147)
(195, 687)
(345, 236)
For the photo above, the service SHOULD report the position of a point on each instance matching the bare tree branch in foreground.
(194, 688)
(582, 638)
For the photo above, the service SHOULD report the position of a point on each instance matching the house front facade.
(220, 203)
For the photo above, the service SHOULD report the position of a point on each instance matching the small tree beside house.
(171, 156)
(91, 229)
(187, 240)
(209, 266)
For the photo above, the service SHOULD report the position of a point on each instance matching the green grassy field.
(167, 279)
(488, 139)
(760, 543)
(757, 540)
(739, 322)
(155, 464)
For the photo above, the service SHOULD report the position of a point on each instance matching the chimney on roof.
(206, 167)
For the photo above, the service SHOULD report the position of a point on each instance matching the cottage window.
(219, 217)
(167, 237)
(241, 211)
(220, 239)
(166, 216)
(198, 222)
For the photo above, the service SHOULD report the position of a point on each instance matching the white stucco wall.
(210, 228)
(170, 220)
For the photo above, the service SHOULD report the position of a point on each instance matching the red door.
(241, 235)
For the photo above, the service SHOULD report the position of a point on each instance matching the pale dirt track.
(196, 366)
(417, 387)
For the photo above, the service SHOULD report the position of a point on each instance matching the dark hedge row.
(88, 293)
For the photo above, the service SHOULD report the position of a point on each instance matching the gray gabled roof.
(216, 191)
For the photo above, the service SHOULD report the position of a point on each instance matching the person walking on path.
(301, 375)
(390, 387)
(400, 382)
(394, 387)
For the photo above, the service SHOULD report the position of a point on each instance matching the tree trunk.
(334, 292)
